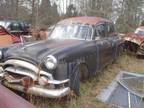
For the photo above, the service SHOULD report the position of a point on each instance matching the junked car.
(6, 38)
(17, 28)
(76, 49)
(134, 42)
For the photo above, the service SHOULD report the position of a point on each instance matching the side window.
(99, 31)
(110, 29)
(15, 27)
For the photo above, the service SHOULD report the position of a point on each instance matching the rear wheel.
(75, 82)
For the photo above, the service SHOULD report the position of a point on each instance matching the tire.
(80, 73)
(75, 82)
(84, 74)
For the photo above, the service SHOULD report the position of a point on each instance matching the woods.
(127, 14)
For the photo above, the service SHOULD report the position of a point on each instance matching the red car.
(135, 41)
(6, 38)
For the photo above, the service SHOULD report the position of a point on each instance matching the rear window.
(15, 27)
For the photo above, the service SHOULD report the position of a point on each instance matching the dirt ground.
(91, 88)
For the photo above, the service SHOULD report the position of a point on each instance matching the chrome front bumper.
(35, 74)
(40, 91)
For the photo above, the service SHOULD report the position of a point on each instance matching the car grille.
(21, 68)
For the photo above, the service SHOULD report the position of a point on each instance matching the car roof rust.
(84, 20)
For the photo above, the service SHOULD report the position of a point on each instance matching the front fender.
(66, 69)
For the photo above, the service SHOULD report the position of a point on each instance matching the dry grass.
(91, 88)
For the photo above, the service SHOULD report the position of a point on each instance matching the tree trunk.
(17, 7)
(33, 13)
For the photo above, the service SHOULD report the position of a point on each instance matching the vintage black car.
(76, 48)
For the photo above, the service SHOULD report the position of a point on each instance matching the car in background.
(17, 28)
(76, 48)
(134, 41)
(6, 38)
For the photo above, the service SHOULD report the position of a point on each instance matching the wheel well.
(84, 73)
(131, 46)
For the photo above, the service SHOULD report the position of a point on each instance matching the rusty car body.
(76, 49)
(8, 99)
(135, 41)
(6, 38)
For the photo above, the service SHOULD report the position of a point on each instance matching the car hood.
(133, 37)
(39, 50)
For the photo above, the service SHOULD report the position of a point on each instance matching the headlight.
(0, 54)
(51, 62)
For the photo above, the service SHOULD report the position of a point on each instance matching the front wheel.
(75, 82)
(80, 73)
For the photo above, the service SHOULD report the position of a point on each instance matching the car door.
(103, 44)
(112, 36)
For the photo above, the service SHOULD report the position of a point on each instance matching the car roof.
(84, 20)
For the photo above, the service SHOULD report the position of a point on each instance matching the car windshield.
(73, 31)
(140, 32)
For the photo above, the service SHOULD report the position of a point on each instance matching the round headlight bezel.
(51, 62)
